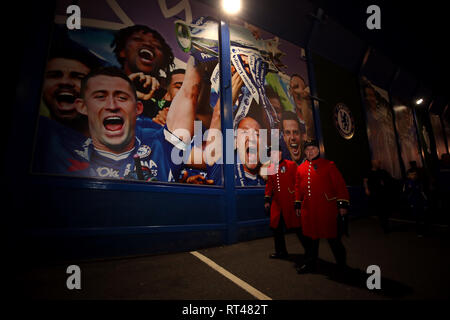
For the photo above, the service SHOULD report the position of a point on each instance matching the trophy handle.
(183, 35)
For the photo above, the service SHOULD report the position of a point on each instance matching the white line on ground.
(244, 285)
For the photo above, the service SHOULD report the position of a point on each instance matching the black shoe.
(276, 255)
(306, 268)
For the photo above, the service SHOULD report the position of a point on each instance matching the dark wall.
(427, 142)
(337, 85)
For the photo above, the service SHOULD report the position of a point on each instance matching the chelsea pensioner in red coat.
(320, 193)
(280, 189)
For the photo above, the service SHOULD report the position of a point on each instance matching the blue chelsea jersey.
(146, 122)
(242, 178)
(154, 148)
(61, 150)
(54, 149)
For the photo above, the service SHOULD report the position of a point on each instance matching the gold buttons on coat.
(309, 179)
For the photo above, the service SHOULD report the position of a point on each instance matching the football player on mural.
(303, 108)
(144, 55)
(67, 64)
(148, 60)
(246, 141)
(380, 127)
(293, 131)
(247, 160)
(108, 99)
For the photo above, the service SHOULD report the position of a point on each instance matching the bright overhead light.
(419, 101)
(231, 6)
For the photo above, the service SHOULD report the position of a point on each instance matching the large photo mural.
(407, 136)
(439, 135)
(133, 94)
(380, 128)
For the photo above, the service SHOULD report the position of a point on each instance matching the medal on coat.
(283, 169)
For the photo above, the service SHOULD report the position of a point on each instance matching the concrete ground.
(411, 268)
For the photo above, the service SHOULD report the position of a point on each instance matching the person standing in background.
(378, 186)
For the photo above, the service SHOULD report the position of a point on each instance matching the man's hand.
(305, 93)
(161, 117)
(236, 85)
(343, 211)
(267, 208)
(147, 82)
(298, 212)
(199, 179)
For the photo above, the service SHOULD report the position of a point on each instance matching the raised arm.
(215, 127)
(181, 115)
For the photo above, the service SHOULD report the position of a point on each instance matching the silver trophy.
(251, 57)
(201, 38)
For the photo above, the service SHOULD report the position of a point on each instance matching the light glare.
(419, 101)
(231, 6)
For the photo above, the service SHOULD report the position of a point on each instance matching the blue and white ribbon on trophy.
(201, 40)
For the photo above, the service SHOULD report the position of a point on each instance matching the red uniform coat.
(280, 188)
(318, 186)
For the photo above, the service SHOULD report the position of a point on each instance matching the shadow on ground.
(356, 278)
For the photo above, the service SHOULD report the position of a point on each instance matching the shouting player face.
(292, 138)
(142, 53)
(111, 107)
(62, 87)
(247, 139)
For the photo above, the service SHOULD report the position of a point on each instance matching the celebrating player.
(68, 63)
(144, 54)
(108, 99)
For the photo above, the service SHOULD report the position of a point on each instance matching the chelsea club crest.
(144, 151)
(344, 121)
